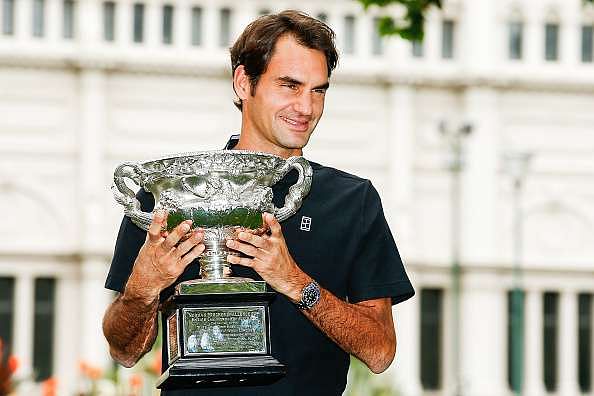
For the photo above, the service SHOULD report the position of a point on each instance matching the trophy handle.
(297, 191)
(126, 197)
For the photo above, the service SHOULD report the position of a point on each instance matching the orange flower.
(156, 364)
(48, 387)
(135, 381)
(13, 364)
(92, 372)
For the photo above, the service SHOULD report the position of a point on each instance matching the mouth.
(294, 124)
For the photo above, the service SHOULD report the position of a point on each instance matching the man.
(337, 250)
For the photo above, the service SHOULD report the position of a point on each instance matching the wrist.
(139, 292)
(297, 286)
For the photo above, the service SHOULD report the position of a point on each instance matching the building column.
(568, 331)
(477, 27)
(405, 370)
(23, 20)
(67, 341)
(153, 24)
(88, 23)
(400, 163)
(533, 45)
(182, 25)
(569, 31)
(364, 26)
(93, 299)
(432, 41)
(483, 342)
(54, 14)
(23, 323)
(479, 179)
(123, 23)
(211, 27)
(533, 358)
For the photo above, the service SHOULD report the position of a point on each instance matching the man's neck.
(255, 142)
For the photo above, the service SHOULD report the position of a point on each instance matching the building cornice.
(376, 74)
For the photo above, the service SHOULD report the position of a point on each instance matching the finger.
(175, 235)
(245, 261)
(185, 246)
(244, 248)
(273, 224)
(252, 239)
(154, 231)
(192, 255)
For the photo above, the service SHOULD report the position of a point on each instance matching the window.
(587, 44)
(167, 24)
(515, 39)
(585, 342)
(447, 39)
(225, 27)
(322, 17)
(551, 41)
(38, 18)
(68, 19)
(6, 310)
(377, 47)
(7, 17)
(515, 339)
(550, 329)
(138, 23)
(196, 26)
(109, 15)
(349, 34)
(431, 319)
(43, 328)
(417, 48)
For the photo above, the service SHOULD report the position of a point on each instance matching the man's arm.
(130, 322)
(365, 329)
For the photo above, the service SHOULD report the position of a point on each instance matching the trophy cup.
(216, 328)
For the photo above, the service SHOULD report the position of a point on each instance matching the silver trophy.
(216, 327)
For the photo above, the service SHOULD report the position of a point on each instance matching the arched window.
(587, 34)
(551, 36)
(515, 35)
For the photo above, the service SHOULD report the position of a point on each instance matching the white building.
(87, 84)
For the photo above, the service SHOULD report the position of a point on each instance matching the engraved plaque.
(237, 330)
(172, 336)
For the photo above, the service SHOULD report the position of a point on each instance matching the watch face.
(310, 295)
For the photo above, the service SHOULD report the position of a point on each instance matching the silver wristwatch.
(310, 295)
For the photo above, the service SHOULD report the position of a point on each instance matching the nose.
(303, 104)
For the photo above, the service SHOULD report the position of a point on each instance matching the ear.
(241, 83)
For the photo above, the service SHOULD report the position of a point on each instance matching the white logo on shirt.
(305, 223)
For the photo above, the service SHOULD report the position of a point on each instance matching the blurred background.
(479, 139)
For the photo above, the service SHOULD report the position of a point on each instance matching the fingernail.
(229, 243)
(185, 227)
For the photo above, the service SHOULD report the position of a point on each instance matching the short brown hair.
(254, 48)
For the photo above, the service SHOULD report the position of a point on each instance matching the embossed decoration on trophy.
(217, 329)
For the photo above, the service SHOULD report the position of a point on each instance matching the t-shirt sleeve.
(129, 241)
(377, 270)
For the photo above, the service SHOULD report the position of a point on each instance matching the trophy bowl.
(216, 327)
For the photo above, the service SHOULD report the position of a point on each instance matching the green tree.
(410, 25)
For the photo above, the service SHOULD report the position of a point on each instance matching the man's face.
(289, 97)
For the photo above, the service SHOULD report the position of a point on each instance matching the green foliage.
(410, 26)
(362, 382)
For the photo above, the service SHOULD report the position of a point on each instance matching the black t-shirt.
(341, 239)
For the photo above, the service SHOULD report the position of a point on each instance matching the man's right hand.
(163, 258)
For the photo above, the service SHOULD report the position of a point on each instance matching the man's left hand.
(270, 258)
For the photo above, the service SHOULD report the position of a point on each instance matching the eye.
(321, 91)
(290, 86)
